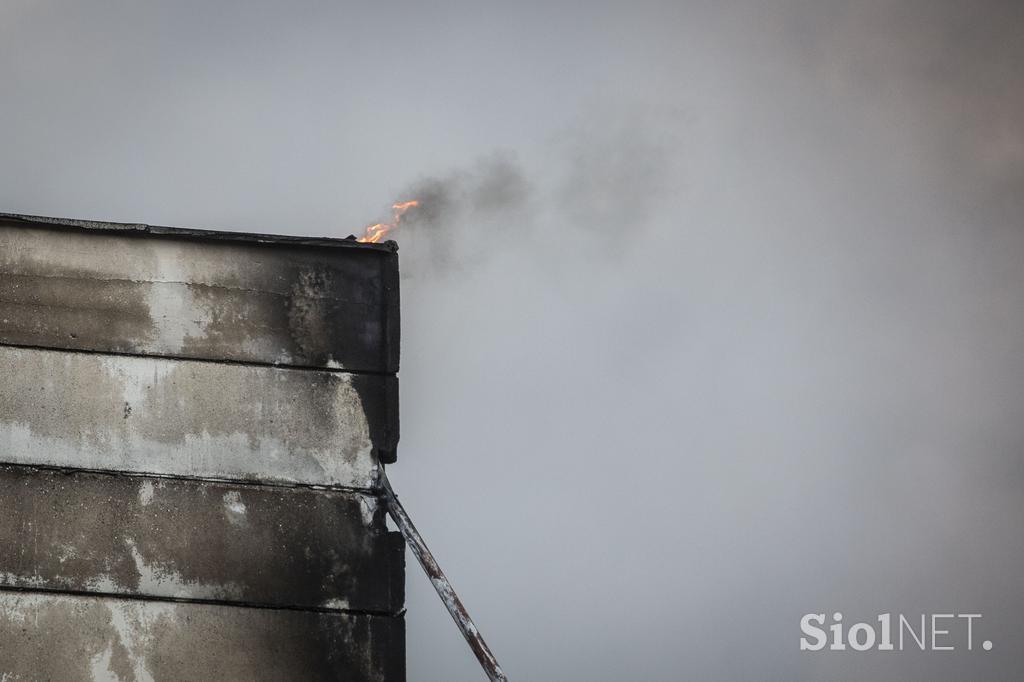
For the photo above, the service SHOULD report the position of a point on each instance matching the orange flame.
(377, 231)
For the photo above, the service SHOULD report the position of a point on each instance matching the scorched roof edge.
(140, 229)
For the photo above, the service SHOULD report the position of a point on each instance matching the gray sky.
(714, 319)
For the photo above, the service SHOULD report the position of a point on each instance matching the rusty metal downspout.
(437, 577)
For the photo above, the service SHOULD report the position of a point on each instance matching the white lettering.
(970, 630)
(868, 639)
(811, 631)
(885, 623)
(935, 617)
(903, 622)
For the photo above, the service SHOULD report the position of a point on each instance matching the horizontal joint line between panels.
(284, 485)
(207, 602)
(199, 285)
(211, 361)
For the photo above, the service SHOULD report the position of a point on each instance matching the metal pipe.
(437, 577)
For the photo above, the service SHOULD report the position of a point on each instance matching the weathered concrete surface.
(146, 537)
(186, 294)
(78, 639)
(199, 419)
(190, 426)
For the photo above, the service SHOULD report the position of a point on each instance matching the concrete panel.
(197, 419)
(177, 293)
(78, 639)
(171, 538)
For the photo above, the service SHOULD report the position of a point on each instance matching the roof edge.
(141, 229)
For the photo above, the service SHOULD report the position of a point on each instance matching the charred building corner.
(192, 432)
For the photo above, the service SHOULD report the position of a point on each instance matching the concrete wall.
(191, 427)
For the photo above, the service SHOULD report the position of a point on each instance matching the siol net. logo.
(927, 632)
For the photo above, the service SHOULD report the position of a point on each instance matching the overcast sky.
(713, 315)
